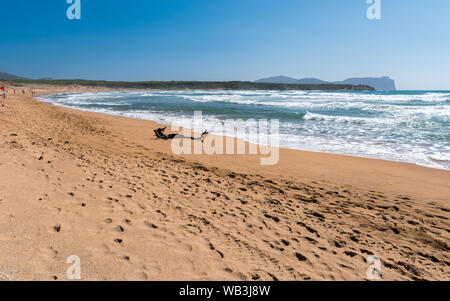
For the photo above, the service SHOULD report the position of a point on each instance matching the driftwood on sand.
(160, 134)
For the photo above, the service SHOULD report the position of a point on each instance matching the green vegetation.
(191, 85)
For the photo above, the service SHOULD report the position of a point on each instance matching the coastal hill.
(7, 76)
(379, 83)
(194, 85)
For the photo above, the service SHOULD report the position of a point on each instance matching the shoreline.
(220, 135)
(408, 167)
(103, 188)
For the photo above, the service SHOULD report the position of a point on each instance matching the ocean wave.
(409, 126)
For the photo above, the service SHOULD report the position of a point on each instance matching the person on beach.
(160, 134)
(4, 92)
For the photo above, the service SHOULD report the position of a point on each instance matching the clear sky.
(228, 40)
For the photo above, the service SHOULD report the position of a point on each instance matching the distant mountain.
(7, 76)
(311, 81)
(379, 83)
(278, 80)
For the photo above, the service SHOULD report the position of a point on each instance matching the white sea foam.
(402, 126)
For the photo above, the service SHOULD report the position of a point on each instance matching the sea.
(404, 126)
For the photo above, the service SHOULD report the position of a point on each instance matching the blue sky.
(228, 40)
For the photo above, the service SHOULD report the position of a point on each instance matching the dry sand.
(103, 188)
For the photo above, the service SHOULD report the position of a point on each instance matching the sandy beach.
(105, 189)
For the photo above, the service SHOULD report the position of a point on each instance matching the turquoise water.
(406, 126)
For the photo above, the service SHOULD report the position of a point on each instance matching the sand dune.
(104, 189)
